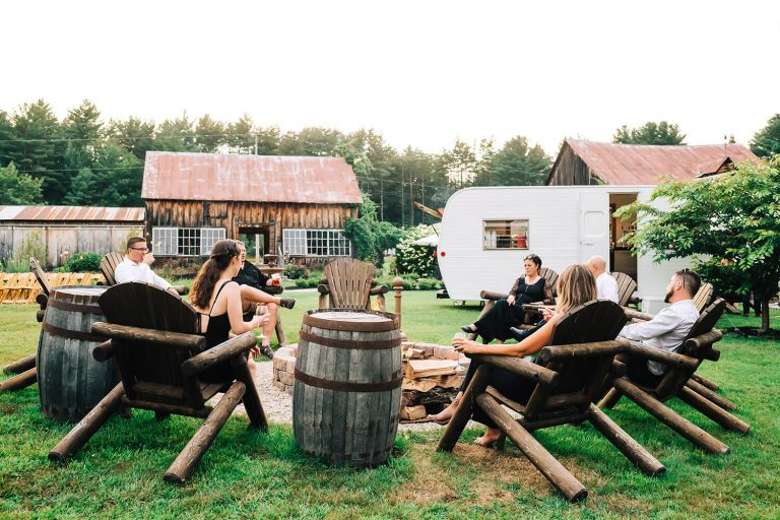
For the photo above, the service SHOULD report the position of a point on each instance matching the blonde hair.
(576, 285)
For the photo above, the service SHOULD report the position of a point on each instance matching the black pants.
(496, 322)
(507, 383)
(638, 372)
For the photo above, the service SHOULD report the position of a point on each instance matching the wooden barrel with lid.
(347, 392)
(70, 381)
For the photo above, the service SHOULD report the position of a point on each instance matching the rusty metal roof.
(634, 164)
(249, 178)
(71, 214)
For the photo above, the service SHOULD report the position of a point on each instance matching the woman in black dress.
(496, 322)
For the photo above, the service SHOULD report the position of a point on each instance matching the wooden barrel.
(70, 381)
(347, 391)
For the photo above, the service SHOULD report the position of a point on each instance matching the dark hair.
(690, 280)
(535, 259)
(203, 285)
(133, 241)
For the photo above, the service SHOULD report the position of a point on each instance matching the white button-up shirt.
(666, 330)
(607, 288)
(129, 271)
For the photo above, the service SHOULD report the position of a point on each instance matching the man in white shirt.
(135, 266)
(667, 329)
(606, 285)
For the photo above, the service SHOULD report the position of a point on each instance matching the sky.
(422, 73)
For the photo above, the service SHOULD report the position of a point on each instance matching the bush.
(305, 283)
(82, 263)
(427, 284)
(412, 259)
(371, 237)
(32, 246)
(294, 272)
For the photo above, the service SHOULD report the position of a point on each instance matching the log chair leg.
(713, 411)
(252, 404)
(633, 451)
(185, 463)
(710, 395)
(161, 416)
(611, 399)
(279, 328)
(712, 385)
(671, 418)
(20, 365)
(463, 413)
(87, 426)
(555, 472)
(19, 381)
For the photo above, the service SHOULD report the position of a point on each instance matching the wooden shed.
(296, 206)
(582, 162)
(54, 232)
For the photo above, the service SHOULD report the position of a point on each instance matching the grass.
(119, 472)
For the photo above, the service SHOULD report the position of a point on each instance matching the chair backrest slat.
(626, 287)
(349, 283)
(108, 266)
(35, 266)
(703, 296)
(550, 282)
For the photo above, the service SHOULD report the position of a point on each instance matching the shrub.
(419, 260)
(371, 237)
(427, 284)
(82, 263)
(32, 246)
(294, 272)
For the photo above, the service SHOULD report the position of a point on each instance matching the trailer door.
(594, 223)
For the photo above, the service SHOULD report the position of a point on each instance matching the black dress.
(496, 322)
(217, 331)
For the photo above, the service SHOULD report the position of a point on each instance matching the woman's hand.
(547, 313)
(466, 346)
(510, 299)
(259, 321)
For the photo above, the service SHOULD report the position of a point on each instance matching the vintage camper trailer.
(486, 233)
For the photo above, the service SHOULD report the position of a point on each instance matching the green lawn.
(246, 474)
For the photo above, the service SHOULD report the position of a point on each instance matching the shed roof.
(637, 164)
(71, 214)
(249, 178)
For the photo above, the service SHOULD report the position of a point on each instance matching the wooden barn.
(54, 232)
(586, 162)
(296, 206)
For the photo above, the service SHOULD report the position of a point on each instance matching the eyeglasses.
(144, 249)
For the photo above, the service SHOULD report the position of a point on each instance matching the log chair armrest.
(379, 289)
(704, 341)
(492, 295)
(578, 350)
(662, 356)
(103, 352)
(519, 366)
(633, 314)
(42, 300)
(126, 333)
(223, 352)
(323, 288)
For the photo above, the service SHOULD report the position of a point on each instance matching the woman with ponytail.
(218, 299)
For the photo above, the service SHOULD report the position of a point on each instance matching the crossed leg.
(250, 296)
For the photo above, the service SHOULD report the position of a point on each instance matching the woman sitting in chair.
(218, 299)
(576, 286)
(496, 323)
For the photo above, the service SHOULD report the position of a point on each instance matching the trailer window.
(505, 234)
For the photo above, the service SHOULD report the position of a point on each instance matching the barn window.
(315, 242)
(171, 241)
(505, 234)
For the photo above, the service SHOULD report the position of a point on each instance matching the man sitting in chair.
(666, 330)
(606, 285)
(252, 282)
(135, 266)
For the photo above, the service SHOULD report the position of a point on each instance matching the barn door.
(594, 223)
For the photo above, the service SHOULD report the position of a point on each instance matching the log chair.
(154, 339)
(567, 376)
(681, 366)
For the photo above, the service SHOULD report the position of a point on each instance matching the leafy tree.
(209, 134)
(311, 141)
(516, 164)
(113, 179)
(176, 135)
(730, 225)
(19, 189)
(268, 140)
(650, 133)
(241, 136)
(371, 237)
(460, 163)
(766, 142)
(133, 134)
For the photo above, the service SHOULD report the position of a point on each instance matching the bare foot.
(445, 415)
(489, 439)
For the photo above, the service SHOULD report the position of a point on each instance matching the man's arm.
(122, 274)
(159, 280)
(663, 322)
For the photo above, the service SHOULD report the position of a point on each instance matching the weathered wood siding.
(58, 239)
(235, 215)
(570, 170)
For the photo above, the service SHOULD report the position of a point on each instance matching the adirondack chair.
(681, 365)
(703, 296)
(348, 283)
(626, 288)
(109, 264)
(25, 369)
(154, 338)
(567, 375)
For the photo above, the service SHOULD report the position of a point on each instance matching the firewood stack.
(432, 377)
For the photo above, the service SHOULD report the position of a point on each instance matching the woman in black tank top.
(218, 299)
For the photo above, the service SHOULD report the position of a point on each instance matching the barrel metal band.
(351, 326)
(347, 386)
(75, 307)
(350, 344)
(72, 334)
